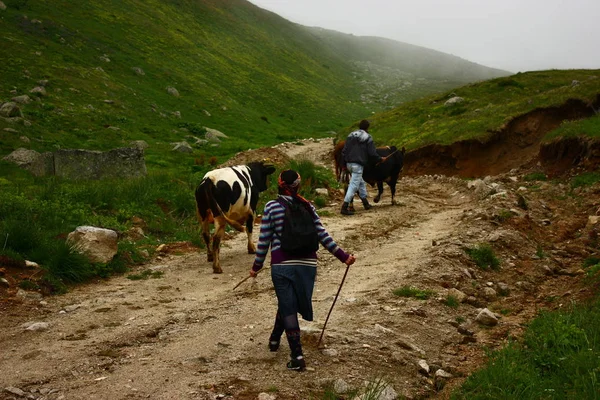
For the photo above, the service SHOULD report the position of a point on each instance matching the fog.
(514, 35)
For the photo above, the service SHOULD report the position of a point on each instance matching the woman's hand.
(253, 273)
(350, 260)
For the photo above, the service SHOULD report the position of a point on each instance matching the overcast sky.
(515, 35)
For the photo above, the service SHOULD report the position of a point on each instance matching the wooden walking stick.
(246, 278)
(242, 281)
(331, 309)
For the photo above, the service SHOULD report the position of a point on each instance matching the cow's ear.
(269, 169)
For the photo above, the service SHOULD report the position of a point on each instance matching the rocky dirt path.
(188, 335)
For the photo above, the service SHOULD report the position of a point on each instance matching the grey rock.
(35, 326)
(32, 161)
(441, 378)
(388, 393)
(453, 101)
(182, 147)
(99, 245)
(340, 386)
(72, 307)
(11, 389)
(125, 162)
(23, 99)
(423, 367)
(460, 296)
(38, 90)
(489, 294)
(2, 6)
(10, 110)
(138, 71)
(487, 318)
(525, 286)
(140, 144)
(503, 289)
(29, 296)
(330, 352)
(172, 91)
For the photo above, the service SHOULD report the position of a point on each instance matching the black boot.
(366, 204)
(345, 209)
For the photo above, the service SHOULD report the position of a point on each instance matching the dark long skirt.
(294, 284)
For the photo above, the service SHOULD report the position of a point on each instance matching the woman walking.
(293, 275)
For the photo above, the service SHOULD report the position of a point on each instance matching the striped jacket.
(271, 228)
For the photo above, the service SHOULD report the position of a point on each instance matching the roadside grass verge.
(556, 359)
(36, 215)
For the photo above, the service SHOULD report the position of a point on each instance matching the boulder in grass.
(99, 245)
(10, 110)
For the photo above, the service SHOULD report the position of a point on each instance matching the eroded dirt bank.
(516, 144)
(188, 335)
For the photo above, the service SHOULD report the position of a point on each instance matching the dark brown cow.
(387, 171)
(229, 196)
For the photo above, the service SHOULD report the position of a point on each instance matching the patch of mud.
(516, 144)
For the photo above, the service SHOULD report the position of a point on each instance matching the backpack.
(299, 236)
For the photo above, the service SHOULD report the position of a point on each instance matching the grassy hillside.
(486, 106)
(237, 68)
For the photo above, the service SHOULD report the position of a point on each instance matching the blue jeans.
(357, 184)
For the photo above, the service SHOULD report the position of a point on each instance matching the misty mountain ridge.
(234, 67)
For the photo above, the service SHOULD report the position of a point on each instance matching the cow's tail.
(206, 191)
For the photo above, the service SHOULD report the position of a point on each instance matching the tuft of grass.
(503, 215)
(145, 274)
(409, 291)
(451, 301)
(535, 176)
(585, 179)
(28, 285)
(374, 389)
(539, 251)
(484, 257)
(67, 265)
(591, 261)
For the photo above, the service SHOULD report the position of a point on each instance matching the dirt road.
(188, 335)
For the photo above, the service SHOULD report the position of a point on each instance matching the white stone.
(36, 326)
(486, 317)
(99, 245)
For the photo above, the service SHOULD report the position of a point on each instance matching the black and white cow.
(229, 196)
